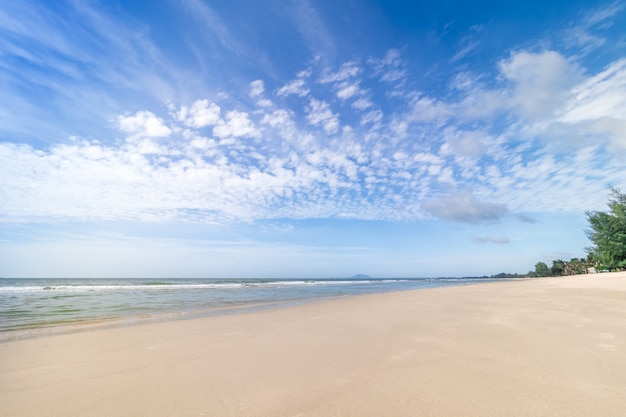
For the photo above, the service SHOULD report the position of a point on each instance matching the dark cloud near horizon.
(465, 208)
(491, 239)
(525, 219)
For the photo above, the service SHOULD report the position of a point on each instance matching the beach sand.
(542, 347)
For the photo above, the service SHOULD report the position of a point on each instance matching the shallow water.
(30, 307)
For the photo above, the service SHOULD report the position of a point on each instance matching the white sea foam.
(189, 286)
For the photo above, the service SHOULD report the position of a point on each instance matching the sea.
(37, 307)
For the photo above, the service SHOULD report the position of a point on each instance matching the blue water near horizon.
(39, 306)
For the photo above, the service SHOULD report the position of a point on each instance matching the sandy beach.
(542, 347)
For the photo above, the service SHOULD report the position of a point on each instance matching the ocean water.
(33, 307)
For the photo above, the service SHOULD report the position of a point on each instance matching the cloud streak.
(492, 239)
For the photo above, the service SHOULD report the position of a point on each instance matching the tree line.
(607, 233)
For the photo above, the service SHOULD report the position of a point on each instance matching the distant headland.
(361, 276)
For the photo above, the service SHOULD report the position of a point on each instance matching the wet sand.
(542, 347)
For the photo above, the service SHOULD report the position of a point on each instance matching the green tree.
(558, 268)
(542, 270)
(576, 266)
(608, 232)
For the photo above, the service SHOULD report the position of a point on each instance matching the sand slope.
(544, 347)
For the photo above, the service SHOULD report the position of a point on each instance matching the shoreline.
(533, 347)
(112, 319)
(89, 325)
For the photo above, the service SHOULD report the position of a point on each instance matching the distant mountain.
(361, 276)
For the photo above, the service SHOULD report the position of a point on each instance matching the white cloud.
(346, 90)
(295, 87)
(481, 103)
(562, 106)
(344, 81)
(319, 113)
(468, 43)
(372, 117)
(257, 88)
(143, 124)
(427, 158)
(465, 143)
(393, 75)
(202, 143)
(389, 69)
(446, 176)
(201, 113)
(427, 109)
(236, 124)
(321, 158)
(541, 81)
(599, 98)
(602, 14)
(282, 121)
(465, 50)
(304, 74)
(278, 118)
(362, 103)
(347, 71)
(392, 58)
(585, 35)
(148, 147)
(264, 103)
(421, 109)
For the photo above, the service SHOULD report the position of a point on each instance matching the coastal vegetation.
(560, 267)
(607, 233)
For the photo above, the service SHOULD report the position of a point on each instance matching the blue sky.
(191, 138)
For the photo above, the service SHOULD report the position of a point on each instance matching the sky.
(312, 139)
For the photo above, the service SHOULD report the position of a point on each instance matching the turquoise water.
(31, 307)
